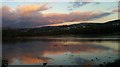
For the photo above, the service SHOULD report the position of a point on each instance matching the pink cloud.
(26, 9)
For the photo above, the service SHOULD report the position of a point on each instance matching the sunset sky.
(35, 14)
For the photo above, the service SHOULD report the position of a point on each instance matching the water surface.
(59, 51)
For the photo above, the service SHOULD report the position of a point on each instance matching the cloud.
(31, 16)
(21, 16)
(88, 15)
(101, 15)
(27, 9)
(9, 16)
(78, 4)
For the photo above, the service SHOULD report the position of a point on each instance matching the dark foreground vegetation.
(83, 29)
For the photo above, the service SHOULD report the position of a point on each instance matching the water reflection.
(59, 51)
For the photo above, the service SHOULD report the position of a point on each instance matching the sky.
(36, 14)
(60, 0)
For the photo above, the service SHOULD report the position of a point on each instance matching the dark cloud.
(102, 15)
(78, 4)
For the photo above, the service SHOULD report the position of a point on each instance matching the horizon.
(57, 25)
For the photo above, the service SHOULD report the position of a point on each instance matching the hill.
(96, 29)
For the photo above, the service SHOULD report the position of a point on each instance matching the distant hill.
(111, 27)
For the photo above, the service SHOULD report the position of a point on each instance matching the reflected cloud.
(33, 60)
(33, 52)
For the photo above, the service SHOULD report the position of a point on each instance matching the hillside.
(98, 29)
